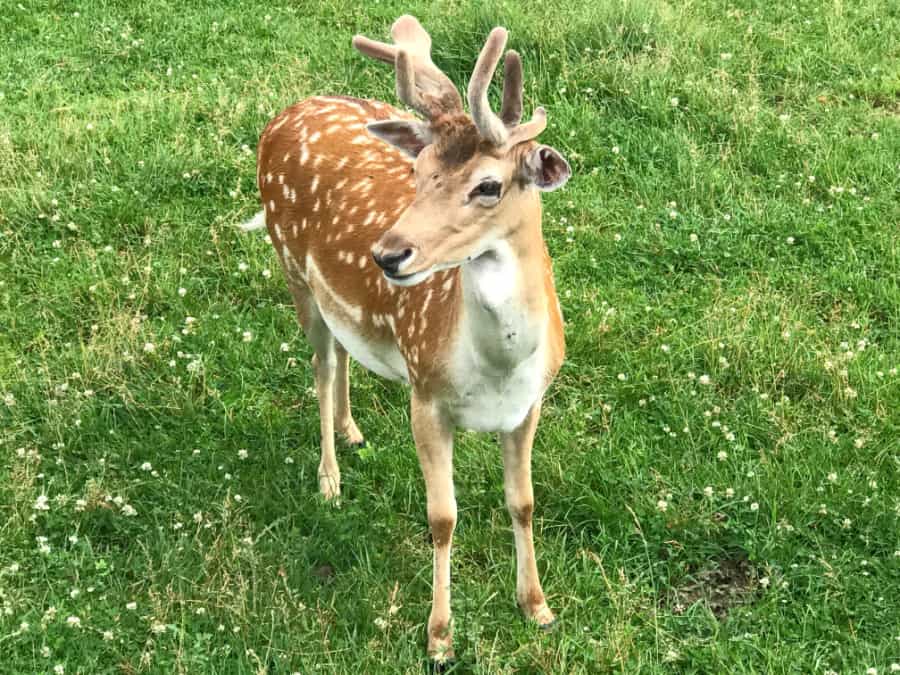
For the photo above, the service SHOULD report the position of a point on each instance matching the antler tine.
(531, 129)
(511, 110)
(406, 82)
(489, 125)
(420, 83)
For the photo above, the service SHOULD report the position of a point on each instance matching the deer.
(413, 243)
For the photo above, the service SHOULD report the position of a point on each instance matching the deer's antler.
(503, 130)
(420, 84)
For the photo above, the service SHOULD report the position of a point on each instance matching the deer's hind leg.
(343, 418)
(325, 364)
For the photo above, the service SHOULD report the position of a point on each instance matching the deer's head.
(478, 177)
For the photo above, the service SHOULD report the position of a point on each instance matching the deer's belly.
(497, 402)
(382, 358)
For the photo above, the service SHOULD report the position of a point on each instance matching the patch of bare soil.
(723, 584)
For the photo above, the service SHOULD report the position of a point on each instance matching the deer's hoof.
(330, 487)
(438, 666)
(550, 626)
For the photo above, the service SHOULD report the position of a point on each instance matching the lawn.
(716, 470)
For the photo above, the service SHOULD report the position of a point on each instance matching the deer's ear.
(546, 168)
(406, 135)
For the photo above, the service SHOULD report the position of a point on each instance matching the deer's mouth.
(408, 279)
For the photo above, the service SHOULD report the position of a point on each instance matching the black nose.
(390, 262)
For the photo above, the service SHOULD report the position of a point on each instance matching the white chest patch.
(499, 365)
(486, 399)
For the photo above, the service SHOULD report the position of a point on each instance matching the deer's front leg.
(434, 445)
(520, 502)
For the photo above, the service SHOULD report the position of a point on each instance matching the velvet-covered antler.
(503, 130)
(420, 84)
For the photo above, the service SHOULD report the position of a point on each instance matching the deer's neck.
(504, 298)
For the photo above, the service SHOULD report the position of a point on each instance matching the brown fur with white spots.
(461, 303)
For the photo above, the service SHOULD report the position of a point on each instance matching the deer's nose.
(390, 261)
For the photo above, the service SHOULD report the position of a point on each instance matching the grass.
(727, 255)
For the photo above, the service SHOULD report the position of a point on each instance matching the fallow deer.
(415, 246)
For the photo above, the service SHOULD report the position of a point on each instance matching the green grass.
(748, 231)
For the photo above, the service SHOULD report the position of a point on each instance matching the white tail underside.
(257, 222)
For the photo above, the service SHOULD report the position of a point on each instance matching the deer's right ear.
(407, 135)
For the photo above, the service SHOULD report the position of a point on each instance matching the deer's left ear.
(546, 168)
(409, 136)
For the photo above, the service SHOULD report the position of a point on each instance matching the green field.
(716, 470)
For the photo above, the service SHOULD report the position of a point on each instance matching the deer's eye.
(487, 188)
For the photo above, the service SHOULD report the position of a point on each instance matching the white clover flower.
(708, 491)
(58, 669)
(662, 505)
(108, 635)
(146, 466)
(754, 506)
(674, 101)
(149, 347)
(73, 622)
(729, 492)
(621, 377)
(40, 504)
(267, 273)
(158, 628)
(704, 379)
(243, 267)
(832, 477)
(285, 347)
(128, 510)
(182, 291)
(722, 455)
(131, 606)
(247, 336)
(242, 453)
